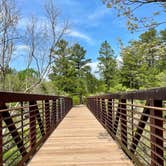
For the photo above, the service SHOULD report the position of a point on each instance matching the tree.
(143, 61)
(133, 71)
(63, 72)
(93, 85)
(42, 40)
(8, 21)
(81, 68)
(107, 64)
(128, 9)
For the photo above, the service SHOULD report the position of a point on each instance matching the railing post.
(123, 115)
(156, 152)
(47, 116)
(32, 123)
(98, 108)
(59, 109)
(110, 117)
(53, 117)
(103, 112)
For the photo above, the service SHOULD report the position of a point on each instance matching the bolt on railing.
(137, 121)
(26, 121)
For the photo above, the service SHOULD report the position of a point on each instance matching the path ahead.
(80, 140)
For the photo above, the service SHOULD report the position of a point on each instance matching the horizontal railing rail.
(26, 121)
(137, 121)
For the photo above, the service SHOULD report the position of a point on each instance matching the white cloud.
(94, 67)
(99, 14)
(22, 48)
(80, 35)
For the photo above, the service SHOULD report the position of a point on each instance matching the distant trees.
(70, 69)
(128, 9)
(144, 60)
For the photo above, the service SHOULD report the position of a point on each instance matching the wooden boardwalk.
(80, 140)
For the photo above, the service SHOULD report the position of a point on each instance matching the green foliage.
(143, 66)
(143, 61)
(107, 64)
(76, 100)
(63, 70)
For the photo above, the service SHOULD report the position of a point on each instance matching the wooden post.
(32, 123)
(156, 152)
(123, 115)
(47, 115)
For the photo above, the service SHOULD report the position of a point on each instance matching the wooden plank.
(80, 140)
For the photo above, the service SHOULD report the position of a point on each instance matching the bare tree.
(8, 22)
(42, 37)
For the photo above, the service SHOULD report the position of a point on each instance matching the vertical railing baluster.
(47, 116)
(156, 131)
(59, 109)
(32, 123)
(110, 117)
(22, 121)
(54, 120)
(123, 118)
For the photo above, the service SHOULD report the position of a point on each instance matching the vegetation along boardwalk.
(80, 140)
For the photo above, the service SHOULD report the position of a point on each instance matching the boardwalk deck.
(80, 141)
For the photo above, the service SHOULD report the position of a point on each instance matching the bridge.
(113, 129)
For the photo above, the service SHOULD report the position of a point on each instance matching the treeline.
(142, 65)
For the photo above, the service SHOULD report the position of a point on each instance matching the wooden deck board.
(80, 140)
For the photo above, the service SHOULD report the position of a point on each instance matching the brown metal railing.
(26, 121)
(137, 121)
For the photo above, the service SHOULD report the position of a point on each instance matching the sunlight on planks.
(80, 140)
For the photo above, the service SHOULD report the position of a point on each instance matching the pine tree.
(107, 64)
(81, 68)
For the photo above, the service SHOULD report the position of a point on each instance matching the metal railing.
(26, 121)
(137, 121)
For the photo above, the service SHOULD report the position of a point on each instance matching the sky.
(90, 21)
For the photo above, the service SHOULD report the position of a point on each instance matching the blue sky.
(90, 23)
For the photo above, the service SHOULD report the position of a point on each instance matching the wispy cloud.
(22, 48)
(99, 14)
(83, 36)
(94, 68)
